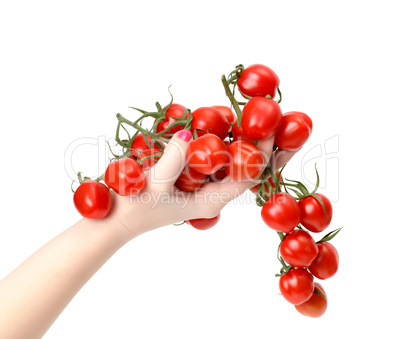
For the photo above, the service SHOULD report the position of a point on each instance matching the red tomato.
(246, 161)
(228, 113)
(238, 133)
(296, 128)
(125, 176)
(316, 306)
(296, 286)
(261, 118)
(93, 200)
(325, 264)
(281, 212)
(190, 180)
(254, 189)
(298, 249)
(258, 80)
(312, 213)
(174, 111)
(204, 223)
(218, 176)
(138, 145)
(154, 156)
(209, 120)
(207, 154)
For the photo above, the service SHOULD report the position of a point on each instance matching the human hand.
(160, 203)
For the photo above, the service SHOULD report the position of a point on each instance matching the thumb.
(163, 175)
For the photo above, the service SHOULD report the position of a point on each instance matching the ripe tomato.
(246, 161)
(189, 180)
(125, 176)
(238, 133)
(298, 249)
(261, 118)
(296, 128)
(207, 154)
(204, 223)
(218, 175)
(258, 80)
(93, 200)
(149, 158)
(228, 113)
(138, 145)
(325, 264)
(312, 213)
(316, 306)
(296, 286)
(174, 111)
(209, 120)
(281, 212)
(254, 189)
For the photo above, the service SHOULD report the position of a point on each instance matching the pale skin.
(36, 292)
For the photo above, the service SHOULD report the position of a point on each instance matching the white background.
(66, 68)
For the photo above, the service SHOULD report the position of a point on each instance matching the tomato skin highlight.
(207, 154)
(296, 286)
(176, 111)
(316, 306)
(326, 263)
(298, 249)
(93, 200)
(295, 130)
(258, 80)
(125, 176)
(209, 120)
(189, 180)
(203, 224)
(261, 118)
(228, 113)
(312, 213)
(246, 161)
(281, 212)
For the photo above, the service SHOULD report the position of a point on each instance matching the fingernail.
(185, 135)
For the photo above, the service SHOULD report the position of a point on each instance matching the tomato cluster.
(224, 147)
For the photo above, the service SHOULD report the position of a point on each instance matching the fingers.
(163, 175)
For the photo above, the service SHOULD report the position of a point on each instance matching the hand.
(160, 203)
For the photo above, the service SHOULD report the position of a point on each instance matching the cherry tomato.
(296, 286)
(218, 176)
(125, 176)
(149, 158)
(258, 80)
(312, 213)
(190, 180)
(138, 145)
(207, 154)
(296, 128)
(228, 113)
(93, 200)
(261, 118)
(325, 264)
(238, 133)
(254, 189)
(174, 111)
(204, 223)
(316, 306)
(246, 161)
(298, 249)
(209, 120)
(281, 212)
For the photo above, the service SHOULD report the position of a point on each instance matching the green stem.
(232, 99)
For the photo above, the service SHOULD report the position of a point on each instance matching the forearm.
(36, 292)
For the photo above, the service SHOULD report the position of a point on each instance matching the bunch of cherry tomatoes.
(224, 146)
